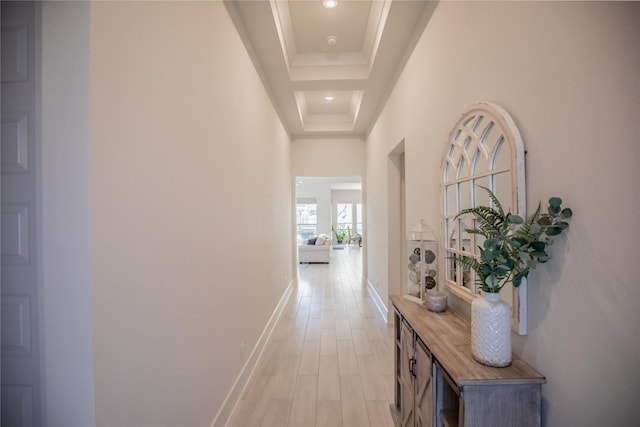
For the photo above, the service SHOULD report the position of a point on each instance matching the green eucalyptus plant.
(513, 245)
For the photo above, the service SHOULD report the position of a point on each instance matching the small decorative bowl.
(436, 301)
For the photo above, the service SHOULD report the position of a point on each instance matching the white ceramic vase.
(491, 330)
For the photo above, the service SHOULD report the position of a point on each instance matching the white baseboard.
(379, 302)
(230, 402)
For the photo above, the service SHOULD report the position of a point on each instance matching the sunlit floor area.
(329, 361)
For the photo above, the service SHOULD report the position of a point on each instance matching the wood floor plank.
(306, 388)
(374, 387)
(276, 413)
(303, 409)
(379, 413)
(343, 329)
(361, 342)
(328, 345)
(329, 413)
(281, 386)
(329, 387)
(347, 361)
(309, 358)
(355, 414)
(329, 365)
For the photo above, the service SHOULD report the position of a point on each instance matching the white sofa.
(319, 251)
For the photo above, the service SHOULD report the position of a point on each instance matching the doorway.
(332, 206)
(396, 226)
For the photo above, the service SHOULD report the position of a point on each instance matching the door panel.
(406, 377)
(424, 386)
(20, 388)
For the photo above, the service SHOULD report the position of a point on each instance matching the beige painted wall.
(569, 74)
(328, 157)
(191, 246)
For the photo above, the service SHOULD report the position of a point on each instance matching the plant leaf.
(545, 220)
(490, 222)
(538, 246)
(495, 200)
(515, 219)
(553, 231)
(555, 201)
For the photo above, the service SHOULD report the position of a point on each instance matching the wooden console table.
(438, 383)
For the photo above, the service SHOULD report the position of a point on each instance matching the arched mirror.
(484, 149)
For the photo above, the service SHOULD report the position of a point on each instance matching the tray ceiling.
(329, 71)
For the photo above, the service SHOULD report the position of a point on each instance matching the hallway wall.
(569, 74)
(191, 249)
(328, 157)
(65, 244)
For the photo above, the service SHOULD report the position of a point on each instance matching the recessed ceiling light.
(330, 4)
(329, 98)
(332, 40)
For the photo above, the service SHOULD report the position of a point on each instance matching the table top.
(448, 337)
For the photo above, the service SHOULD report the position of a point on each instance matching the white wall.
(354, 196)
(569, 74)
(191, 246)
(65, 246)
(328, 157)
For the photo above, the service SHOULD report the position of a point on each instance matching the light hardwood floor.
(329, 360)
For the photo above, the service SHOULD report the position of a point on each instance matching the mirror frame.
(471, 154)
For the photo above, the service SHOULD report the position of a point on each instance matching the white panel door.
(21, 382)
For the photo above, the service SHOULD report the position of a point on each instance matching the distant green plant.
(513, 246)
(340, 234)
